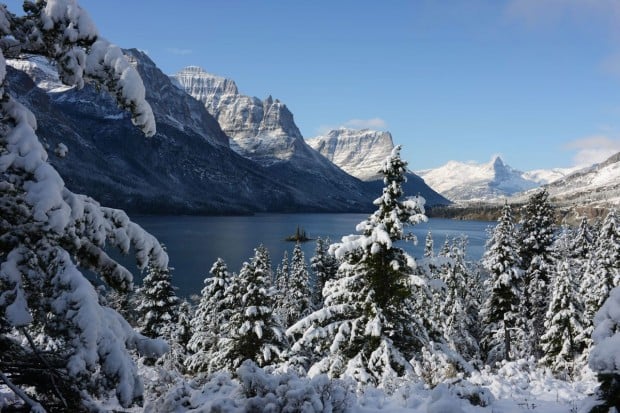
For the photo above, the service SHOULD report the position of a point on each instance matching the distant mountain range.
(594, 186)
(219, 152)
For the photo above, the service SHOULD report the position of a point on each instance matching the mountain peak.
(497, 161)
(460, 181)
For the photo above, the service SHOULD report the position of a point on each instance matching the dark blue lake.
(195, 242)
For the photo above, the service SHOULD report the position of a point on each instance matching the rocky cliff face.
(262, 130)
(187, 167)
(358, 152)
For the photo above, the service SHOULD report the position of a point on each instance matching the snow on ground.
(514, 388)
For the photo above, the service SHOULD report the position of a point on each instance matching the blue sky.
(536, 81)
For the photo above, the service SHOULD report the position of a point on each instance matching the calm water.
(194, 243)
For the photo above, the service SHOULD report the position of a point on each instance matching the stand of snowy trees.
(311, 335)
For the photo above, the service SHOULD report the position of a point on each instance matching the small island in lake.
(299, 236)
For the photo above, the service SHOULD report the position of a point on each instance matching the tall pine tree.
(252, 332)
(535, 239)
(214, 309)
(500, 311)
(297, 302)
(563, 324)
(158, 303)
(366, 328)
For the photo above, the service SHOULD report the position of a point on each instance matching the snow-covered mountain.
(187, 166)
(547, 176)
(598, 185)
(361, 153)
(460, 181)
(358, 152)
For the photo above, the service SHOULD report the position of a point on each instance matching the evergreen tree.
(366, 328)
(253, 332)
(214, 309)
(50, 235)
(297, 302)
(500, 311)
(535, 240)
(324, 267)
(606, 352)
(602, 270)
(428, 246)
(158, 306)
(460, 306)
(563, 324)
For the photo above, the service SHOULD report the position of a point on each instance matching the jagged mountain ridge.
(262, 130)
(361, 154)
(187, 167)
(459, 181)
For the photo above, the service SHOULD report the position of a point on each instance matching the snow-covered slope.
(598, 185)
(460, 181)
(547, 176)
(358, 152)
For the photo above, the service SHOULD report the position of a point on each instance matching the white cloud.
(373, 123)
(180, 52)
(593, 149)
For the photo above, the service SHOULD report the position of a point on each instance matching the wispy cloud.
(180, 52)
(373, 123)
(593, 149)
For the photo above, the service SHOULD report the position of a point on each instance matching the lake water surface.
(195, 242)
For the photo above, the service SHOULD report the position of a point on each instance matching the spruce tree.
(366, 328)
(297, 302)
(324, 267)
(606, 352)
(602, 270)
(158, 306)
(428, 246)
(460, 306)
(214, 309)
(535, 239)
(500, 311)
(563, 324)
(252, 332)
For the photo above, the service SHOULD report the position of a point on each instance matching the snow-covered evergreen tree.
(602, 271)
(214, 309)
(324, 267)
(49, 234)
(158, 303)
(428, 246)
(460, 307)
(366, 328)
(253, 331)
(606, 351)
(535, 239)
(500, 311)
(563, 324)
(297, 302)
